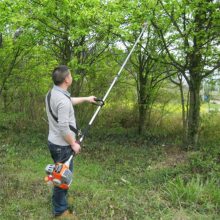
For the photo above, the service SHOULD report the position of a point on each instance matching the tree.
(71, 30)
(23, 62)
(145, 64)
(148, 74)
(190, 36)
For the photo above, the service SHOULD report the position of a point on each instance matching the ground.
(113, 179)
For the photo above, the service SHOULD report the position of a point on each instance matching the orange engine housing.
(59, 174)
(62, 176)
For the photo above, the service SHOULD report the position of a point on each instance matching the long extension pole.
(113, 83)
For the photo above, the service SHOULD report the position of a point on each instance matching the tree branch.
(175, 63)
(172, 19)
(208, 72)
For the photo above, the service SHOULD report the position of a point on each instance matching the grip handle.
(99, 101)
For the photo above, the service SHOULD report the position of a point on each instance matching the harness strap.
(75, 130)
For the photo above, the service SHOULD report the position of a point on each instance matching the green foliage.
(11, 121)
(88, 36)
(190, 28)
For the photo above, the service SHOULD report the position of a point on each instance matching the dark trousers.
(59, 197)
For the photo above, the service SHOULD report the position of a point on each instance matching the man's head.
(62, 75)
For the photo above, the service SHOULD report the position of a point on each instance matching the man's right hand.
(76, 147)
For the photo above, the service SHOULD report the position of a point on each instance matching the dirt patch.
(172, 157)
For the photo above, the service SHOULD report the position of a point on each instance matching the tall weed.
(195, 193)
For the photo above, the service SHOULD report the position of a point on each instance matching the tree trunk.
(5, 100)
(194, 115)
(143, 106)
(184, 121)
(142, 117)
(1, 40)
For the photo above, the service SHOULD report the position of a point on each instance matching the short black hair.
(59, 74)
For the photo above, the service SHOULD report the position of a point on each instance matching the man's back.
(62, 109)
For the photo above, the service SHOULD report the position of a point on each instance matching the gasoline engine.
(59, 174)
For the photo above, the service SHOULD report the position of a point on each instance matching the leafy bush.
(11, 120)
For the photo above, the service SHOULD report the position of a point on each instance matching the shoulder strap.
(76, 131)
(50, 110)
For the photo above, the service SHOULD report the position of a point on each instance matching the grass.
(113, 179)
(194, 194)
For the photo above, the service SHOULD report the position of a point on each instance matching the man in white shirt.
(62, 129)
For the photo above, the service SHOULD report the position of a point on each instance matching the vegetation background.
(153, 152)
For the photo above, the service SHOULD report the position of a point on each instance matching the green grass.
(194, 194)
(113, 179)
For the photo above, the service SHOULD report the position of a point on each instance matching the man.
(62, 129)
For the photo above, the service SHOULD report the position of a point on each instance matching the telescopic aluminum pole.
(113, 83)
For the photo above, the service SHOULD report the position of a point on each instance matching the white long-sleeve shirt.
(62, 108)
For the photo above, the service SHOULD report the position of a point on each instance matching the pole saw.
(59, 174)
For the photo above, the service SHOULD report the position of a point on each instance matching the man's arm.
(78, 100)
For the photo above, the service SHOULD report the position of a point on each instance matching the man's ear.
(66, 79)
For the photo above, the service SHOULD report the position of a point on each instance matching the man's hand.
(79, 100)
(76, 147)
(91, 99)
